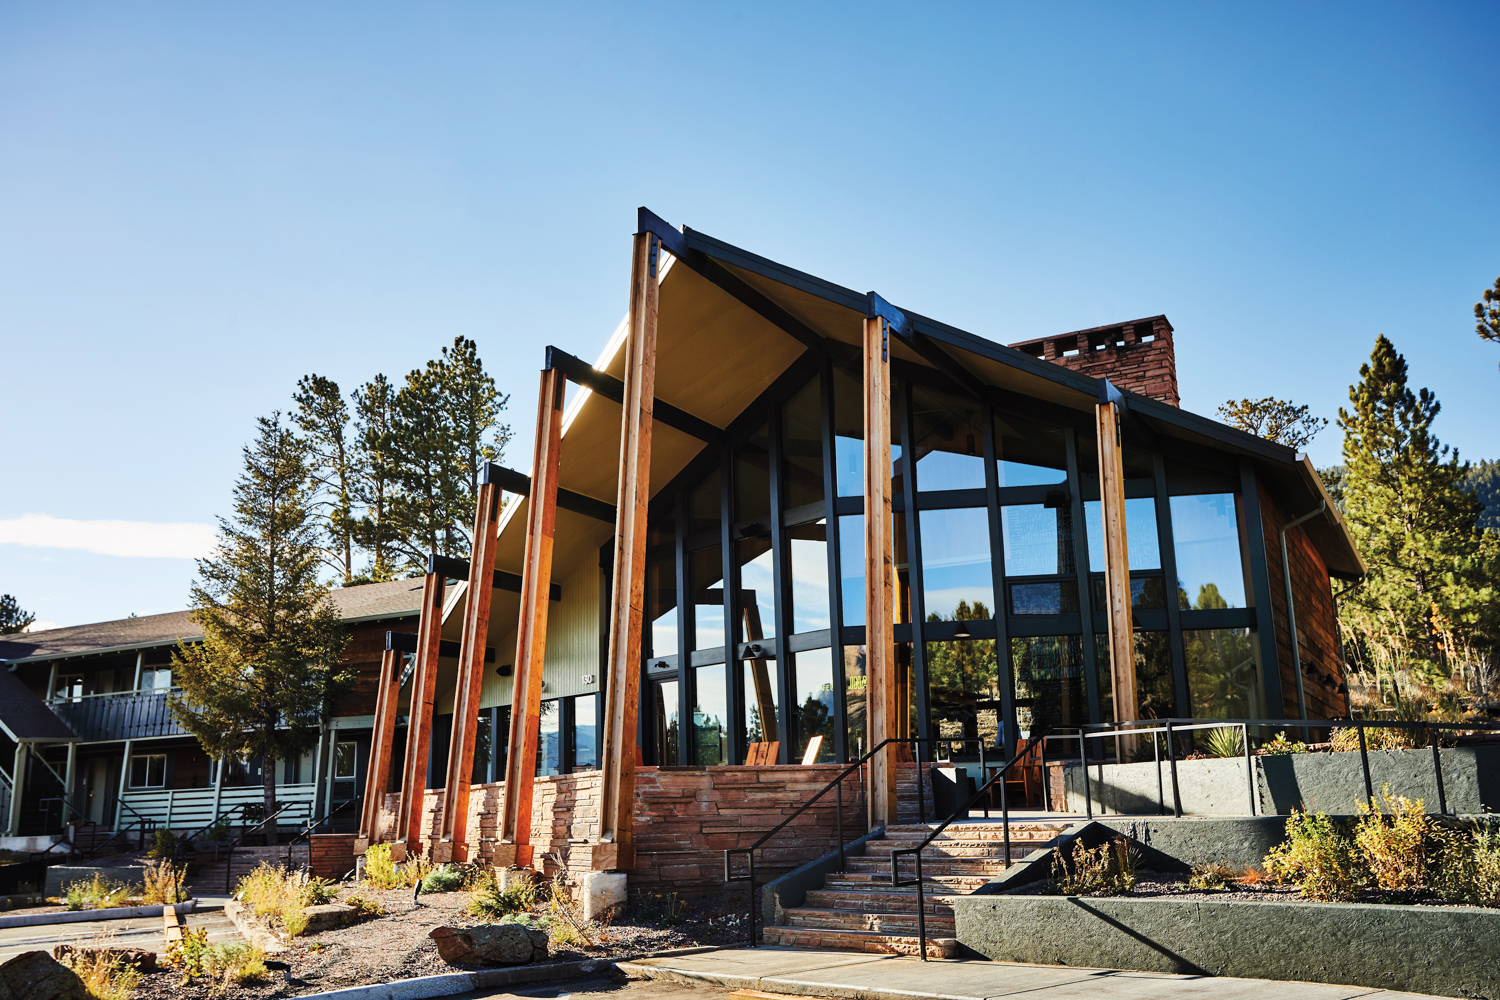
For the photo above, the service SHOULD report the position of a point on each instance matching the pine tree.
(12, 618)
(271, 659)
(1274, 419)
(1426, 596)
(323, 417)
(1487, 312)
(374, 442)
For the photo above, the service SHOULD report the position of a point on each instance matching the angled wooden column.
(419, 720)
(880, 572)
(453, 844)
(1116, 559)
(382, 735)
(615, 850)
(514, 847)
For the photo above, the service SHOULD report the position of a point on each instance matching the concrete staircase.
(859, 909)
(207, 875)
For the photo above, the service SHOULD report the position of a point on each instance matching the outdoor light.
(963, 631)
(505, 669)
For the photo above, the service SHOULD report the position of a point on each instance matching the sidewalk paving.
(803, 972)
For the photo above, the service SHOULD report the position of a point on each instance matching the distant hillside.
(1484, 480)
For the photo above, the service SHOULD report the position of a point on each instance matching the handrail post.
(921, 909)
(982, 775)
(1172, 762)
(1083, 758)
(1005, 816)
(754, 938)
(1437, 772)
(1249, 765)
(916, 753)
(839, 819)
(1161, 793)
(1364, 761)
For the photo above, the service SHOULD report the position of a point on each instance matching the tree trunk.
(268, 788)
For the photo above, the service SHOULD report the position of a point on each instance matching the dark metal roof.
(372, 600)
(24, 716)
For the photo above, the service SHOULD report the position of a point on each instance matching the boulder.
(320, 918)
(490, 944)
(35, 975)
(142, 958)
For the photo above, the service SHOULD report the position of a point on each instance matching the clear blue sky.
(201, 202)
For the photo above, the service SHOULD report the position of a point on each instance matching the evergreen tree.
(375, 446)
(271, 659)
(1487, 312)
(1484, 480)
(12, 618)
(1427, 595)
(1274, 419)
(323, 417)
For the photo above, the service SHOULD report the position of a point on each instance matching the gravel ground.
(1157, 884)
(397, 946)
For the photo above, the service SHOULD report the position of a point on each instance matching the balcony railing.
(118, 716)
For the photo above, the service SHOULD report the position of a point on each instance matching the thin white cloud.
(131, 539)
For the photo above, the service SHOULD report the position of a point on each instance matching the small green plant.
(662, 908)
(1317, 857)
(379, 871)
(164, 844)
(1466, 866)
(1280, 746)
(1393, 837)
(1214, 875)
(489, 900)
(219, 831)
(536, 921)
(235, 963)
(1106, 870)
(415, 871)
(364, 906)
(163, 884)
(1224, 742)
(447, 878)
(96, 894)
(105, 976)
(190, 954)
(282, 895)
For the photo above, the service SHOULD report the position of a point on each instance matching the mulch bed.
(396, 946)
(1157, 885)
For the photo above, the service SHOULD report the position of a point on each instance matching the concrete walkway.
(131, 932)
(801, 972)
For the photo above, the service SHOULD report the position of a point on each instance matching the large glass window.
(1223, 673)
(1049, 682)
(1153, 676)
(949, 441)
(854, 701)
(704, 505)
(1046, 597)
(1029, 455)
(664, 699)
(706, 568)
(956, 575)
(1206, 537)
(585, 732)
(484, 738)
(710, 730)
(661, 578)
(802, 446)
(752, 483)
(148, 770)
(1142, 546)
(757, 589)
(849, 436)
(549, 740)
(852, 567)
(815, 698)
(1038, 539)
(809, 544)
(760, 702)
(963, 693)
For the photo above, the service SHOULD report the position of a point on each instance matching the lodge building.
(775, 524)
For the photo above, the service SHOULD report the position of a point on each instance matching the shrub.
(447, 878)
(489, 900)
(97, 893)
(235, 962)
(1280, 746)
(415, 871)
(1466, 867)
(1107, 870)
(104, 976)
(190, 954)
(164, 844)
(364, 906)
(1253, 876)
(163, 884)
(1317, 857)
(1214, 875)
(379, 871)
(663, 909)
(1224, 742)
(282, 895)
(1393, 841)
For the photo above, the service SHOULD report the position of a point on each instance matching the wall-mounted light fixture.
(963, 631)
(505, 669)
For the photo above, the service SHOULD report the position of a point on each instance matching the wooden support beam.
(514, 835)
(419, 727)
(615, 850)
(453, 844)
(519, 483)
(382, 736)
(1116, 561)
(881, 711)
(584, 374)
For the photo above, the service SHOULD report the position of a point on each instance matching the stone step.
(977, 831)
(851, 940)
(930, 866)
(872, 900)
(969, 840)
(941, 885)
(883, 848)
(856, 920)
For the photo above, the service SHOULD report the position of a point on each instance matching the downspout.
(1291, 610)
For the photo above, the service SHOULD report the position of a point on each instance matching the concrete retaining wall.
(1445, 951)
(1330, 782)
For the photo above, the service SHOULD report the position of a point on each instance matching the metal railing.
(129, 715)
(1169, 728)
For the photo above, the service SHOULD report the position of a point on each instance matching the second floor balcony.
(123, 716)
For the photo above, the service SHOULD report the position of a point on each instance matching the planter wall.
(1446, 951)
(1330, 782)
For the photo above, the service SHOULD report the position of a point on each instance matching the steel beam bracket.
(648, 221)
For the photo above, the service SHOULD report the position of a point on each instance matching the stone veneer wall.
(1138, 355)
(685, 818)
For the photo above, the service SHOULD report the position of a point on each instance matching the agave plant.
(1224, 742)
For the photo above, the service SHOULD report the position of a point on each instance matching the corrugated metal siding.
(572, 643)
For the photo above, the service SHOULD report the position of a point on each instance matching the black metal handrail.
(313, 824)
(229, 856)
(962, 810)
(837, 783)
(1174, 725)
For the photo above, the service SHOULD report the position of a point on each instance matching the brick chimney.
(1137, 355)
